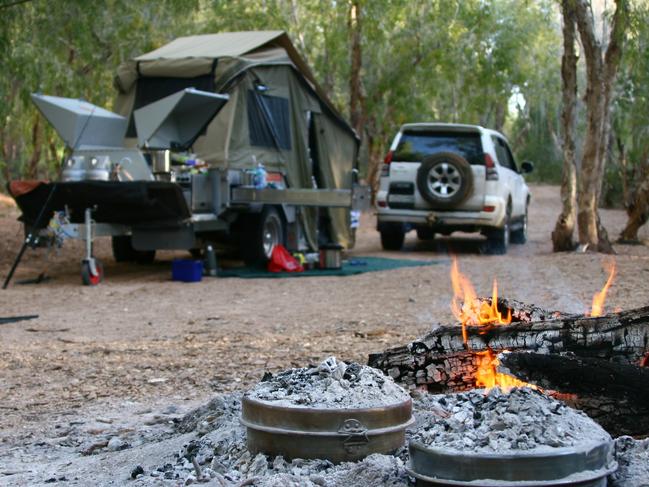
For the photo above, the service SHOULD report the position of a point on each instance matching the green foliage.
(629, 159)
(439, 60)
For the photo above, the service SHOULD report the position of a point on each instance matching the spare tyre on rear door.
(445, 179)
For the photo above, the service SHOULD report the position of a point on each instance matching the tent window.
(268, 121)
(150, 89)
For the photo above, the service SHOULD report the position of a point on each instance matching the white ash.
(495, 422)
(632, 457)
(331, 384)
(219, 449)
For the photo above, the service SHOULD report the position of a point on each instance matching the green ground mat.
(353, 266)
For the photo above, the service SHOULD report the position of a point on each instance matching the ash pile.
(329, 385)
(491, 421)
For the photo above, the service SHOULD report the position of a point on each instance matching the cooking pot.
(331, 256)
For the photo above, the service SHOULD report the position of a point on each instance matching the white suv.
(441, 178)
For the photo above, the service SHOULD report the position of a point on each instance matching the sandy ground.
(139, 346)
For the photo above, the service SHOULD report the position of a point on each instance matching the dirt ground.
(142, 346)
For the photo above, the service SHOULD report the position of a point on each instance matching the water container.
(259, 177)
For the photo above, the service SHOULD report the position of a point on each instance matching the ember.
(487, 376)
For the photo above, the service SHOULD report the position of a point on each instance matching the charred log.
(442, 362)
(613, 394)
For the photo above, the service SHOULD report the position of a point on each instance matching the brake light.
(488, 209)
(488, 161)
(385, 169)
(490, 166)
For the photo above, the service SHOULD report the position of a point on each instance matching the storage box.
(186, 270)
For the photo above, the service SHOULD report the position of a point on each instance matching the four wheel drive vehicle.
(441, 178)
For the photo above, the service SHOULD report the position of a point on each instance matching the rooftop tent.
(276, 111)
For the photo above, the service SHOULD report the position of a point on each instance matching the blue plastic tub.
(186, 270)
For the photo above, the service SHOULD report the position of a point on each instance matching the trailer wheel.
(88, 277)
(261, 233)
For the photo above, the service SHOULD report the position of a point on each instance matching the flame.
(597, 308)
(472, 311)
(468, 309)
(488, 377)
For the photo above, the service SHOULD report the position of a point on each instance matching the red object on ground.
(282, 261)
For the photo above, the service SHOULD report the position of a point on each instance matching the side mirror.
(527, 167)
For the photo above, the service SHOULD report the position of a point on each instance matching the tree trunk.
(638, 212)
(615, 395)
(563, 230)
(356, 102)
(601, 72)
(441, 362)
(37, 143)
(637, 202)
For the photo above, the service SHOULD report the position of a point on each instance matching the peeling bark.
(638, 212)
(601, 69)
(562, 236)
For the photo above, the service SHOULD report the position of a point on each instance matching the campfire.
(595, 359)
(484, 314)
(470, 310)
(597, 308)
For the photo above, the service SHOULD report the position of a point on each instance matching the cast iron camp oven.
(338, 435)
(583, 466)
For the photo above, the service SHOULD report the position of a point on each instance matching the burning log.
(441, 361)
(613, 394)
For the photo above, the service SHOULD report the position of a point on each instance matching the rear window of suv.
(415, 146)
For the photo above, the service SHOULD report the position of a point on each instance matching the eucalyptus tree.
(631, 123)
(562, 236)
(72, 49)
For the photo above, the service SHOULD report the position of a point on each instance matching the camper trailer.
(216, 138)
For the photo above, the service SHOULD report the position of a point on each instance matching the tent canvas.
(277, 113)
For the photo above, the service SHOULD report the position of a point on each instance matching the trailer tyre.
(261, 233)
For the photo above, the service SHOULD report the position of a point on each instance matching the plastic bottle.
(210, 261)
(259, 177)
